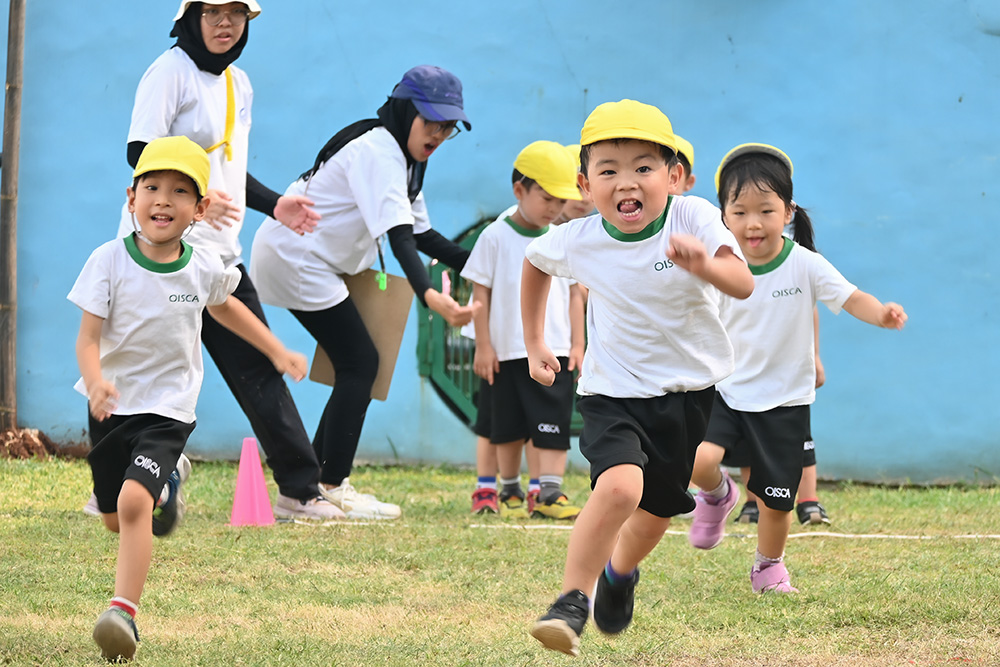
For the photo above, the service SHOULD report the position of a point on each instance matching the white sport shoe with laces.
(313, 509)
(363, 506)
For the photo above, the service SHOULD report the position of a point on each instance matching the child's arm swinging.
(101, 394)
(868, 309)
(725, 270)
(236, 317)
(542, 364)
(485, 362)
(577, 325)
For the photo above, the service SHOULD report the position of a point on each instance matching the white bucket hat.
(251, 5)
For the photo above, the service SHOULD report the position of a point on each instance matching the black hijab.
(187, 30)
(396, 116)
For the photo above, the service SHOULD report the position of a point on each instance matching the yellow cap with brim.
(175, 154)
(251, 5)
(685, 148)
(574, 152)
(744, 149)
(628, 119)
(549, 164)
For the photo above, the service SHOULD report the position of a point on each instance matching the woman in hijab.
(194, 90)
(367, 183)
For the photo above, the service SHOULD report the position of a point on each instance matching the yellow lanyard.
(230, 119)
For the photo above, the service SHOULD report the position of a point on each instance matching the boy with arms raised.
(544, 178)
(139, 351)
(656, 348)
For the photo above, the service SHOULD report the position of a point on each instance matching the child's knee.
(134, 502)
(620, 488)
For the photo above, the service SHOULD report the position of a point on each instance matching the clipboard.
(384, 314)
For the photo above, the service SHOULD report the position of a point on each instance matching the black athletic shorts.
(523, 409)
(143, 447)
(660, 435)
(739, 455)
(484, 410)
(774, 440)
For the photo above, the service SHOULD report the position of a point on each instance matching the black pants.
(343, 336)
(265, 400)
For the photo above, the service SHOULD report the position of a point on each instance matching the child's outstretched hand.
(892, 316)
(102, 399)
(222, 212)
(687, 252)
(543, 365)
(454, 314)
(293, 363)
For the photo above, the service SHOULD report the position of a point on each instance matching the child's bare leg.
(486, 458)
(638, 537)
(745, 475)
(135, 544)
(534, 457)
(772, 531)
(508, 455)
(706, 473)
(808, 485)
(613, 500)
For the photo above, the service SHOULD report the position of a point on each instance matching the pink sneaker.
(773, 579)
(708, 526)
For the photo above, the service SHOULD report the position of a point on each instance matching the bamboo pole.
(8, 217)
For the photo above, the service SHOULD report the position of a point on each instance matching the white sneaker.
(91, 508)
(314, 509)
(356, 505)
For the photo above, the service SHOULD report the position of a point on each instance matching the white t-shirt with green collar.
(496, 262)
(151, 336)
(652, 327)
(773, 331)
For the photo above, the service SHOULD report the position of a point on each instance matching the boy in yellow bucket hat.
(656, 347)
(544, 178)
(139, 351)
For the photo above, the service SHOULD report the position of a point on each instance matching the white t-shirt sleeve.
(159, 99)
(832, 288)
(421, 220)
(377, 180)
(705, 220)
(224, 285)
(550, 252)
(92, 289)
(481, 266)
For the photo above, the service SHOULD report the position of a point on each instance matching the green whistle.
(381, 279)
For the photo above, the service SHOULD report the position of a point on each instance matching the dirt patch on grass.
(26, 443)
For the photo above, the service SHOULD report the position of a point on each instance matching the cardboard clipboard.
(384, 315)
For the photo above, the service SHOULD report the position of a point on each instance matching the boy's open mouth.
(630, 209)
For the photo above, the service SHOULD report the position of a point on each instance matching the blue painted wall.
(888, 109)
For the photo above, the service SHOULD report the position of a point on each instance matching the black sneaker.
(561, 626)
(811, 512)
(749, 513)
(613, 603)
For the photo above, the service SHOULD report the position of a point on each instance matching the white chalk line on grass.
(818, 533)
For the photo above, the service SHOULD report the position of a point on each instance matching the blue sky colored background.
(887, 109)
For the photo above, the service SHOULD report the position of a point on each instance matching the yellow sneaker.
(560, 508)
(513, 507)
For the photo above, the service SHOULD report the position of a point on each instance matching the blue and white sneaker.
(171, 507)
(116, 635)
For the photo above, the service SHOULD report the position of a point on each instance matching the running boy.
(766, 401)
(139, 351)
(655, 350)
(544, 178)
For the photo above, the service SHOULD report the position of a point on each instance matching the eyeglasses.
(213, 17)
(450, 129)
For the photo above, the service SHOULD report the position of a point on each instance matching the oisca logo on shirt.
(185, 298)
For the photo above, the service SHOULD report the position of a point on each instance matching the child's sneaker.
(710, 514)
(116, 635)
(772, 579)
(170, 509)
(311, 509)
(811, 512)
(614, 602)
(561, 626)
(484, 501)
(513, 506)
(749, 513)
(91, 508)
(363, 506)
(560, 508)
(532, 499)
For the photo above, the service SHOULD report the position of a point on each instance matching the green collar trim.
(649, 231)
(524, 231)
(158, 267)
(761, 269)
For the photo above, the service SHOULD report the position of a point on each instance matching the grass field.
(442, 587)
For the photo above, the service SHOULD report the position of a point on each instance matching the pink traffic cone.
(251, 504)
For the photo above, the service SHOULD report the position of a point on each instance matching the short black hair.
(197, 192)
(518, 177)
(666, 152)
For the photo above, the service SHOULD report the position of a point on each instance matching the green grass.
(435, 589)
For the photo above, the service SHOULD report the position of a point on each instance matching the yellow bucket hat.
(743, 149)
(685, 148)
(549, 164)
(574, 152)
(175, 154)
(628, 119)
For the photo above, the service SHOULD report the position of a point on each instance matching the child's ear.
(689, 183)
(201, 209)
(584, 183)
(519, 191)
(130, 195)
